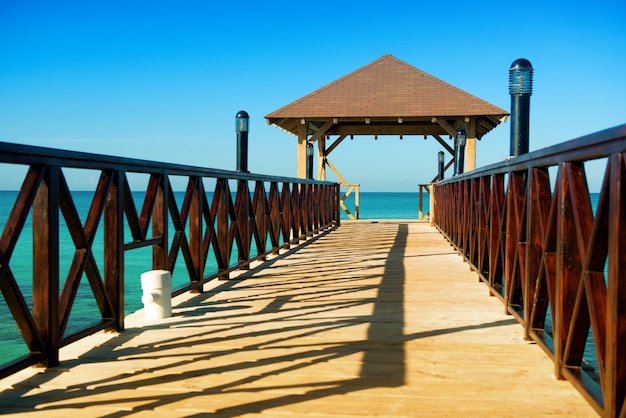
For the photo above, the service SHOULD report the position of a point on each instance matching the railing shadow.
(271, 323)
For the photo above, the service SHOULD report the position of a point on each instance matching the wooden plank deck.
(374, 319)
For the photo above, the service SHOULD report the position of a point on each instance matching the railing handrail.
(31, 154)
(585, 148)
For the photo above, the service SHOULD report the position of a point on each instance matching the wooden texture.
(189, 234)
(388, 97)
(555, 263)
(373, 319)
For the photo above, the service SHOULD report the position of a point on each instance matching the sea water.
(386, 205)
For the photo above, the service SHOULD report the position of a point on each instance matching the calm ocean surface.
(372, 206)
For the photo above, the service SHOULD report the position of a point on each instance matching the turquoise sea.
(387, 205)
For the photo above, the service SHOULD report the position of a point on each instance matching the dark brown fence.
(261, 215)
(554, 253)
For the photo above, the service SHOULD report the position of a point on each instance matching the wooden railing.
(262, 215)
(528, 227)
(357, 200)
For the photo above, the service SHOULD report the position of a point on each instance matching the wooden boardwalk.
(374, 319)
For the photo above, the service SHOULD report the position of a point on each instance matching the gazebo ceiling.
(388, 97)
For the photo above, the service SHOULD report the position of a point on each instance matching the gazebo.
(385, 97)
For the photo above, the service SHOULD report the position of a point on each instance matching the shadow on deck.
(375, 318)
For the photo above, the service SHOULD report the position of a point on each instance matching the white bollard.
(157, 301)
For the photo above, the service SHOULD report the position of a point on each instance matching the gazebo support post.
(470, 145)
(302, 134)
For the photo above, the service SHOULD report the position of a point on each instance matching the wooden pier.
(376, 318)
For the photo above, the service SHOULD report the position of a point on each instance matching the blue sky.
(163, 80)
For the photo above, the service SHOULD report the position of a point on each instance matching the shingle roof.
(387, 87)
(389, 92)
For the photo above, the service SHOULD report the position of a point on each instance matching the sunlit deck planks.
(373, 319)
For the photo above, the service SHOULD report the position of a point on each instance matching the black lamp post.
(459, 146)
(440, 160)
(242, 129)
(520, 89)
(309, 161)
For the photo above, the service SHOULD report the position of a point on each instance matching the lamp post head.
(461, 137)
(521, 78)
(241, 121)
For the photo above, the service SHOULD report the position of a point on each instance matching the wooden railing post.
(483, 195)
(497, 232)
(276, 219)
(615, 375)
(338, 203)
(536, 221)
(296, 219)
(114, 248)
(261, 218)
(196, 232)
(222, 194)
(513, 216)
(286, 220)
(242, 215)
(160, 223)
(46, 263)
